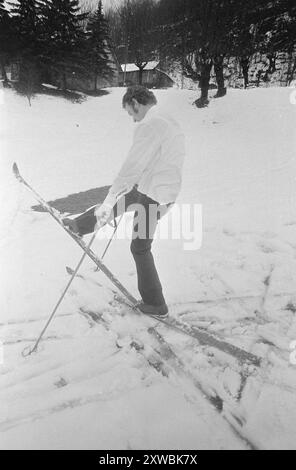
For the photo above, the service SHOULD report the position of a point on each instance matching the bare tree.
(197, 33)
(132, 25)
(5, 39)
(87, 9)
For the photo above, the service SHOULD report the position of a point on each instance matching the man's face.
(136, 110)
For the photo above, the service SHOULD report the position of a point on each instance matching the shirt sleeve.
(146, 142)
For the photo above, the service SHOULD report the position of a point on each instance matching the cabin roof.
(133, 68)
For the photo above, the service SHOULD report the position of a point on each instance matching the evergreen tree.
(26, 23)
(63, 37)
(97, 40)
(3, 11)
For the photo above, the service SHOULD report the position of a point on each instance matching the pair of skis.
(203, 337)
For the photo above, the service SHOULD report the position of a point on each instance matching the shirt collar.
(150, 113)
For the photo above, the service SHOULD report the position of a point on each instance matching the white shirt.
(154, 161)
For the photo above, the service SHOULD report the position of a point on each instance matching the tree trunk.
(245, 62)
(140, 76)
(258, 76)
(271, 67)
(4, 75)
(64, 81)
(293, 72)
(95, 82)
(291, 69)
(218, 67)
(204, 83)
(29, 78)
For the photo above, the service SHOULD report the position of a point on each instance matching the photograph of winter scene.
(147, 225)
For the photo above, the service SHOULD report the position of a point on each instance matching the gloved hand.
(102, 214)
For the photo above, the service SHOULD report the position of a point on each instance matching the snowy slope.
(88, 387)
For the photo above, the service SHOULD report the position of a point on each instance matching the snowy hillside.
(98, 380)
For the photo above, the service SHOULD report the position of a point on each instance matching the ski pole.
(34, 349)
(110, 240)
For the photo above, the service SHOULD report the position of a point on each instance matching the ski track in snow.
(109, 367)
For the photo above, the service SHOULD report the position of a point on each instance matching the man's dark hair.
(139, 93)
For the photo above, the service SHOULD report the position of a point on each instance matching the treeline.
(200, 35)
(49, 38)
(61, 37)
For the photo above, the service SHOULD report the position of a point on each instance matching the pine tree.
(26, 23)
(63, 37)
(3, 11)
(5, 39)
(97, 56)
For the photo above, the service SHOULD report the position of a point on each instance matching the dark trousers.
(147, 214)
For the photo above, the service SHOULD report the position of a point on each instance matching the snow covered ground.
(88, 386)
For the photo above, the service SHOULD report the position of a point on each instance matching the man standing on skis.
(150, 178)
